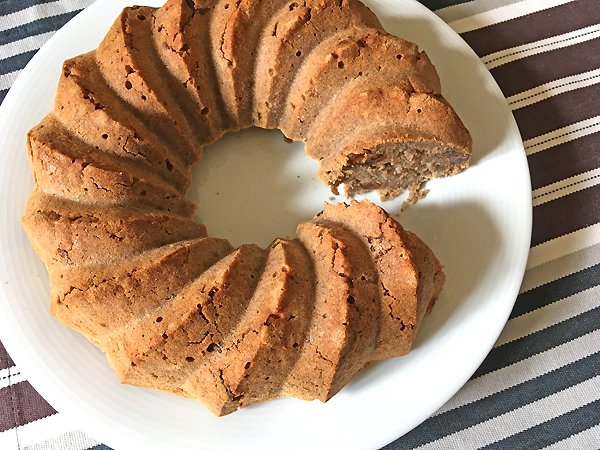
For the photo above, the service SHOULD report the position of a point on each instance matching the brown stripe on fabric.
(565, 215)
(524, 74)
(534, 27)
(5, 360)
(558, 111)
(20, 404)
(564, 161)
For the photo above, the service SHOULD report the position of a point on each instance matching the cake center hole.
(252, 187)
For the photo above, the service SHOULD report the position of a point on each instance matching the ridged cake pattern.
(176, 310)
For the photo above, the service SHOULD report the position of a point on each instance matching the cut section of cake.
(401, 139)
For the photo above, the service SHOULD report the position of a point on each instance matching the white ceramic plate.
(252, 187)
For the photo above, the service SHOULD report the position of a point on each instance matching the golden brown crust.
(243, 26)
(267, 336)
(344, 321)
(102, 300)
(289, 38)
(182, 40)
(71, 233)
(93, 177)
(130, 63)
(93, 112)
(194, 323)
(410, 276)
(346, 56)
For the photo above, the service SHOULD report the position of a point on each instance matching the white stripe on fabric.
(549, 315)
(462, 10)
(586, 440)
(561, 267)
(525, 370)
(503, 14)
(44, 429)
(542, 46)
(74, 440)
(565, 187)
(562, 135)
(24, 45)
(522, 418)
(42, 11)
(7, 80)
(9, 376)
(564, 245)
(554, 88)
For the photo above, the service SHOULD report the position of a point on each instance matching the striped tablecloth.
(540, 385)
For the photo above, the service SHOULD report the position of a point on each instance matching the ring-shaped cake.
(176, 310)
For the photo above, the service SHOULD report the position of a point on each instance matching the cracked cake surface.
(176, 310)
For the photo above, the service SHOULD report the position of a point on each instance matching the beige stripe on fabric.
(586, 440)
(73, 440)
(522, 418)
(24, 45)
(463, 10)
(44, 430)
(544, 45)
(549, 315)
(561, 267)
(564, 161)
(544, 24)
(519, 372)
(42, 11)
(566, 187)
(562, 135)
(566, 215)
(10, 376)
(564, 245)
(553, 88)
(503, 14)
(7, 80)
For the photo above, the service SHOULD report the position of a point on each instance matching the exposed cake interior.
(392, 167)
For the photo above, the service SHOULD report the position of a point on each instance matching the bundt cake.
(176, 310)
